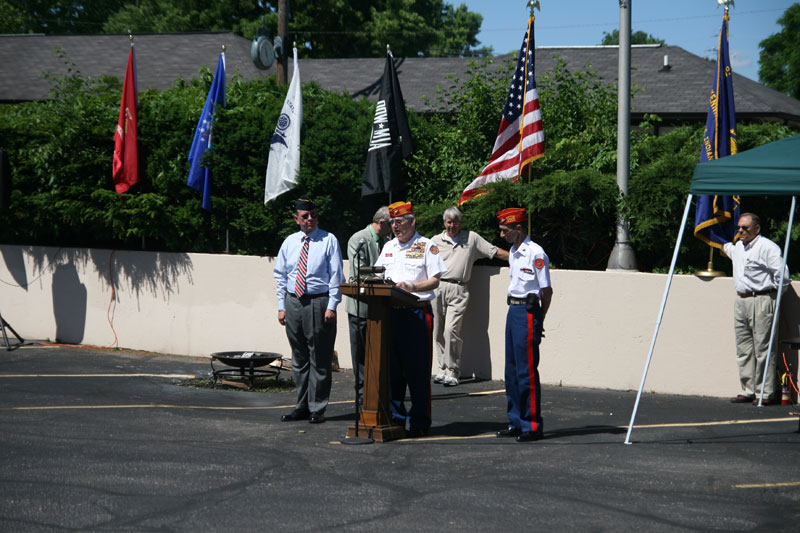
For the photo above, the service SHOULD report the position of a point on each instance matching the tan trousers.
(752, 323)
(449, 307)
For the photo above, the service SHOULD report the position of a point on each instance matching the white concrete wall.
(598, 331)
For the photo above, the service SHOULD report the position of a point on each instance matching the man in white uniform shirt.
(529, 297)
(414, 264)
(757, 266)
(459, 250)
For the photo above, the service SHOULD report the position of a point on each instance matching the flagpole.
(622, 256)
(130, 37)
(532, 6)
(719, 109)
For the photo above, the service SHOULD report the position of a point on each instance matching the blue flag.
(200, 177)
(716, 216)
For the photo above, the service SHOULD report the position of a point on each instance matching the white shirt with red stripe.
(529, 268)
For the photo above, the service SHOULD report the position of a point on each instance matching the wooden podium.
(376, 418)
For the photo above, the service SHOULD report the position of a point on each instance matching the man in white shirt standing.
(414, 264)
(459, 249)
(757, 266)
(529, 297)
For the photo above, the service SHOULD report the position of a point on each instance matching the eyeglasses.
(744, 228)
(306, 216)
(397, 221)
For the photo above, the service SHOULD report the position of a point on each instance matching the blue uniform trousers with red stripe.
(523, 390)
(410, 358)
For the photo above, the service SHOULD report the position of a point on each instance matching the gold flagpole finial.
(130, 36)
(223, 48)
(294, 44)
(534, 4)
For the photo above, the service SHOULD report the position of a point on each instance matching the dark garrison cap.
(304, 203)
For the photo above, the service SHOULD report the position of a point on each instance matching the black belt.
(756, 293)
(510, 300)
(307, 296)
(455, 281)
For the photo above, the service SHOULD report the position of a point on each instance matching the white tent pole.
(778, 302)
(660, 314)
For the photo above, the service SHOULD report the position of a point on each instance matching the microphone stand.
(356, 439)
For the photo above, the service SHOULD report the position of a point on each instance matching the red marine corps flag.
(520, 138)
(126, 154)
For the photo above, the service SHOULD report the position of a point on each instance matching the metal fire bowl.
(237, 360)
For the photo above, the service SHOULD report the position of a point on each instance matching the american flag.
(520, 138)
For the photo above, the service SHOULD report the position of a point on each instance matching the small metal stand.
(3, 326)
(246, 365)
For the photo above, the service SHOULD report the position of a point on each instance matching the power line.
(544, 26)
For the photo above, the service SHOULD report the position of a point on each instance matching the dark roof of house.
(680, 92)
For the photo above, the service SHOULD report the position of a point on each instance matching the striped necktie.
(300, 282)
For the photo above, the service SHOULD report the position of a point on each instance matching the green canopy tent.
(771, 169)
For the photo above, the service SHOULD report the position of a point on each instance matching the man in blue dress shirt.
(308, 271)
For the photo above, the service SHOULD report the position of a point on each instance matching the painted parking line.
(716, 423)
(768, 485)
(170, 376)
(144, 406)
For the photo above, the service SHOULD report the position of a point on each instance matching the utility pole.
(283, 29)
(622, 256)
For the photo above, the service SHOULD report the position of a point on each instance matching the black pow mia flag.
(390, 141)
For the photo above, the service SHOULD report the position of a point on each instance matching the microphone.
(371, 270)
(361, 244)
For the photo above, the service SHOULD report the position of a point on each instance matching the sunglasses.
(744, 228)
(306, 216)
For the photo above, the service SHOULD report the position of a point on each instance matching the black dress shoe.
(317, 418)
(294, 416)
(509, 432)
(416, 433)
(741, 398)
(530, 436)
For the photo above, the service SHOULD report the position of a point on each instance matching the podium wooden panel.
(376, 418)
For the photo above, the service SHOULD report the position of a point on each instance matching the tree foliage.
(323, 28)
(637, 37)
(56, 16)
(779, 63)
(176, 16)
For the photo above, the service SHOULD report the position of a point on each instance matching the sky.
(694, 25)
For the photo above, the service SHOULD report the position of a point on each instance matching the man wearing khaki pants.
(757, 265)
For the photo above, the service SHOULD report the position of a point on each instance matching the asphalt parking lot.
(105, 440)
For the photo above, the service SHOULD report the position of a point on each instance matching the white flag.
(284, 149)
